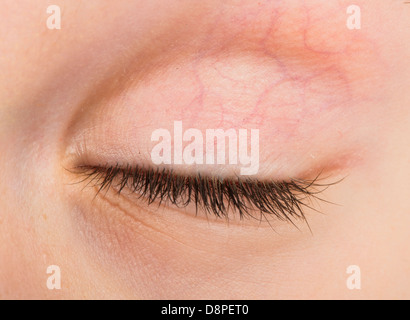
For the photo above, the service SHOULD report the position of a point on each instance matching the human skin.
(326, 100)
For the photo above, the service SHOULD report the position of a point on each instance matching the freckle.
(44, 216)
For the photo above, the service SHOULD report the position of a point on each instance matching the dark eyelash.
(284, 200)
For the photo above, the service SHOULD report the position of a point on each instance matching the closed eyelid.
(303, 100)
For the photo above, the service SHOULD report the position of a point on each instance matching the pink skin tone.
(323, 97)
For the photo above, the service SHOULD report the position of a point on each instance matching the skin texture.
(325, 99)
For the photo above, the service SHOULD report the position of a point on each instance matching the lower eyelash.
(285, 200)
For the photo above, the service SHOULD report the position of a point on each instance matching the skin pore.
(325, 99)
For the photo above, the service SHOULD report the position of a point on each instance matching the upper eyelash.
(284, 200)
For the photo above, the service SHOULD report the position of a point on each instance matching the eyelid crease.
(284, 200)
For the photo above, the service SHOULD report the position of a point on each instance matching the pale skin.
(325, 99)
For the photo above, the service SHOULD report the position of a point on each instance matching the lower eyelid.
(136, 241)
(158, 218)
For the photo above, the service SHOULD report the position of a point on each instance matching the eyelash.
(283, 200)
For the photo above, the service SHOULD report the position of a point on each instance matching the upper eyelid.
(285, 200)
